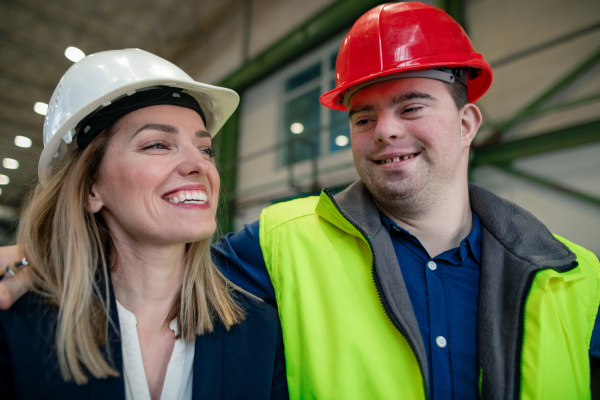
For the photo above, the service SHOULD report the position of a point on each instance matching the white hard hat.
(101, 78)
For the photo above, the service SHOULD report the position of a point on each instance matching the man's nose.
(388, 128)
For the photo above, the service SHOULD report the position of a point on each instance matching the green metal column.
(227, 144)
(456, 9)
(334, 19)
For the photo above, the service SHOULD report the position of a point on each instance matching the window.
(309, 129)
(301, 116)
(339, 129)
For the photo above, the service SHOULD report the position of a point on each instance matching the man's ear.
(95, 202)
(470, 121)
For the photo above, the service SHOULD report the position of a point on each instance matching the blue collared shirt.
(443, 291)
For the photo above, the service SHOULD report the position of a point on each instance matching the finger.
(8, 254)
(12, 289)
(12, 268)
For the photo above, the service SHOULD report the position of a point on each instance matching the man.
(411, 283)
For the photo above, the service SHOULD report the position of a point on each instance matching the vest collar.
(516, 229)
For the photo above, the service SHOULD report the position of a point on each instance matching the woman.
(127, 303)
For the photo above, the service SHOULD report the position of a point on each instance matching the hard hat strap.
(448, 75)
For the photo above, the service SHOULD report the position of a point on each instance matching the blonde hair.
(69, 249)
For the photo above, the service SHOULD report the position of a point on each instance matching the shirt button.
(432, 265)
(441, 341)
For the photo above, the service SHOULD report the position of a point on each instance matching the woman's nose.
(194, 161)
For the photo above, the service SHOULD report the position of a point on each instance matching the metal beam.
(552, 91)
(556, 107)
(549, 184)
(338, 16)
(545, 45)
(543, 143)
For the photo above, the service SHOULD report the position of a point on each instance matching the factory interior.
(538, 146)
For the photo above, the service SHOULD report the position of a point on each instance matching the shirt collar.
(471, 243)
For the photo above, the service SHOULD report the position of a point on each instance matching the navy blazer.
(246, 362)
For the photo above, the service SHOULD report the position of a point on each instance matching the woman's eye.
(157, 146)
(208, 151)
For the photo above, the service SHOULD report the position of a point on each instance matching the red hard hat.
(398, 37)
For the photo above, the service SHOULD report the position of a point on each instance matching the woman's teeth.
(191, 196)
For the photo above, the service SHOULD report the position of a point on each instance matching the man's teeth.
(191, 196)
(396, 159)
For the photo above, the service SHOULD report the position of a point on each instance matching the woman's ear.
(95, 203)
(470, 122)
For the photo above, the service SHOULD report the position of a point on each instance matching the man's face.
(409, 141)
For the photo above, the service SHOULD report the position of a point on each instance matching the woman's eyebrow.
(168, 129)
(202, 133)
(159, 127)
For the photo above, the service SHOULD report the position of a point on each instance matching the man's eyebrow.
(396, 100)
(358, 109)
(412, 95)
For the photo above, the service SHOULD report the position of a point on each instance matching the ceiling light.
(341, 140)
(10, 163)
(74, 54)
(4, 179)
(297, 128)
(22, 141)
(40, 108)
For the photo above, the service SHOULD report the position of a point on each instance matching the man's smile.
(396, 159)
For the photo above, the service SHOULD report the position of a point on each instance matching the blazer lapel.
(208, 364)
(111, 388)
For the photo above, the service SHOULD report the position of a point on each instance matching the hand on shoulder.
(12, 287)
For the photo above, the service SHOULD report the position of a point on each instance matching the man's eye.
(363, 121)
(412, 109)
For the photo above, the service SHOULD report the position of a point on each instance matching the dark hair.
(459, 93)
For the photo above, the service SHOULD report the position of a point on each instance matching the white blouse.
(179, 378)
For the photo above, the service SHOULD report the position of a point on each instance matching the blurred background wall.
(539, 146)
